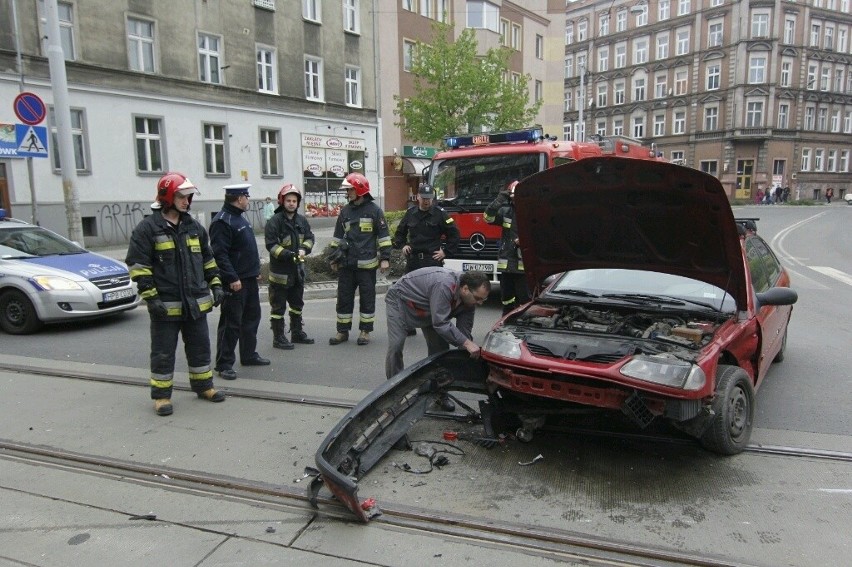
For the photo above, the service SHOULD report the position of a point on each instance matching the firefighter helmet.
(288, 189)
(172, 183)
(357, 182)
(510, 188)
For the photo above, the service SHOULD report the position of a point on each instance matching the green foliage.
(458, 91)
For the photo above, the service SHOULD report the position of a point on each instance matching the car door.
(766, 272)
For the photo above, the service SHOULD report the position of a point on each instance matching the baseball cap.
(426, 191)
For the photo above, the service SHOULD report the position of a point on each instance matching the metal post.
(582, 133)
(62, 114)
(20, 68)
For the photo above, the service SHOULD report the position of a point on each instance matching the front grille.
(598, 358)
(539, 350)
(111, 282)
(465, 251)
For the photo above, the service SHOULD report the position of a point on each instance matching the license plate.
(119, 294)
(468, 266)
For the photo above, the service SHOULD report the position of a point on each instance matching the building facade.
(757, 93)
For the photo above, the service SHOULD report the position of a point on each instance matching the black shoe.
(301, 337)
(228, 374)
(256, 361)
(282, 343)
(446, 404)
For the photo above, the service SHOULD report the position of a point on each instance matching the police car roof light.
(533, 134)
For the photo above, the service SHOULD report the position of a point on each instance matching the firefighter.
(361, 244)
(289, 239)
(510, 264)
(235, 247)
(172, 263)
(426, 234)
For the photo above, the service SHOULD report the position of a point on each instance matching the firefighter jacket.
(361, 235)
(284, 237)
(234, 245)
(501, 212)
(427, 231)
(174, 264)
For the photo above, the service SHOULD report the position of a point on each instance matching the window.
(538, 91)
(662, 45)
(618, 92)
(783, 115)
(642, 16)
(66, 29)
(313, 79)
(603, 59)
(351, 16)
(831, 163)
(408, 54)
(516, 37)
(581, 63)
(683, 7)
(810, 118)
(806, 159)
(812, 78)
(714, 75)
(815, 33)
(818, 154)
(566, 132)
(683, 41)
(789, 30)
(270, 152)
(569, 100)
(79, 141)
(664, 10)
(660, 82)
(847, 122)
(841, 40)
(638, 89)
(352, 79)
(711, 118)
(209, 59)
(620, 55)
(760, 25)
(638, 126)
(786, 72)
(640, 50)
(539, 46)
(754, 114)
(659, 125)
(483, 15)
(621, 20)
(569, 66)
(149, 144)
(677, 157)
(838, 80)
(569, 33)
(828, 38)
(710, 166)
(822, 117)
(582, 30)
(426, 9)
(757, 69)
(140, 45)
(600, 129)
(312, 10)
(603, 23)
(215, 159)
(408, 5)
(835, 121)
(714, 34)
(779, 166)
(618, 127)
(843, 166)
(825, 77)
(267, 70)
(602, 92)
(714, 3)
(679, 126)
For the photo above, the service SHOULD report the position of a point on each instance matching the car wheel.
(17, 314)
(733, 412)
(780, 356)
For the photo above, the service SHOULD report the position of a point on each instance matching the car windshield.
(640, 286)
(30, 241)
(476, 181)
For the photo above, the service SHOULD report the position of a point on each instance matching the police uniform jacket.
(234, 245)
(423, 231)
(174, 264)
(362, 231)
(284, 237)
(502, 213)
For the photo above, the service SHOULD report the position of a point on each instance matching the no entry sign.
(29, 108)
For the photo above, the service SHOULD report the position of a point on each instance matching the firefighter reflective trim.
(162, 381)
(507, 223)
(205, 304)
(367, 318)
(164, 242)
(211, 265)
(294, 311)
(173, 308)
(307, 244)
(277, 250)
(520, 265)
(370, 264)
(488, 218)
(502, 264)
(335, 242)
(449, 220)
(509, 301)
(200, 373)
(281, 279)
(365, 224)
(215, 281)
(344, 318)
(275, 317)
(140, 270)
(385, 241)
(194, 244)
(149, 293)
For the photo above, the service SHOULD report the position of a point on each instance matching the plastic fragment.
(537, 458)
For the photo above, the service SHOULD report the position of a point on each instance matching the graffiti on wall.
(117, 220)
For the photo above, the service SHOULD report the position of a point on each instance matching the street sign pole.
(20, 65)
(62, 112)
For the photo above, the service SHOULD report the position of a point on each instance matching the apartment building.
(757, 93)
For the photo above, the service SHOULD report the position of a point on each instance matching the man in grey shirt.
(429, 298)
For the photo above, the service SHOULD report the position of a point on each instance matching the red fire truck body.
(475, 168)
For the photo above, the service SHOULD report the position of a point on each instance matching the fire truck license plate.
(468, 266)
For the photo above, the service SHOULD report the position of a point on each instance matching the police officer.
(510, 264)
(361, 244)
(235, 248)
(426, 234)
(289, 239)
(171, 261)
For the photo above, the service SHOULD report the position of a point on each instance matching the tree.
(458, 91)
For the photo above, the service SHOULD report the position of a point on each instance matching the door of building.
(5, 203)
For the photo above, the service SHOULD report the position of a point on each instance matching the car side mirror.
(777, 296)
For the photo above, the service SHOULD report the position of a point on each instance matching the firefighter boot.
(297, 333)
(364, 338)
(163, 406)
(279, 337)
(340, 337)
(211, 395)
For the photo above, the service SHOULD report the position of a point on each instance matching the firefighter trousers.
(349, 280)
(196, 346)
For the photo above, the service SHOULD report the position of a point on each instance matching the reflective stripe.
(149, 293)
(278, 278)
(507, 223)
(502, 264)
(201, 375)
(277, 250)
(199, 369)
(139, 270)
(449, 220)
(161, 383)
(384, 241)
(369, 264)
(211, 265)
(194, 244)
(294, 311)
(275, 317)
(164, 243)
(308, 244)
(367, 318)
(488, 218)
(509, 301)
(215, 281)
(345, 318)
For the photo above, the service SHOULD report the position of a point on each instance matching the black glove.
(156, 307)
(505, 196)
(218, 295)
(287, 255)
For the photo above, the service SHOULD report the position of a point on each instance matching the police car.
(45, 278)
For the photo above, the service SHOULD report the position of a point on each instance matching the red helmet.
(288, 189)
(511, 187)
(172, 183)
(358, 182)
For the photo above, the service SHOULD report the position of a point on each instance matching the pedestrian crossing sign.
(31, 140)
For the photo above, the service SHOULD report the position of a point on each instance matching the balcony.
(752, 133)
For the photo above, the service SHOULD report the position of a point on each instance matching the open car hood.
(613, 212)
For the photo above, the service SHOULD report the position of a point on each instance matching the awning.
(413, 166)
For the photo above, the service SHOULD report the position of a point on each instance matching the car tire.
(17, 314)
(780, 356)
(733, 412)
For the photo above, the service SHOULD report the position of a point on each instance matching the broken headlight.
(503, 343)
(667, 371)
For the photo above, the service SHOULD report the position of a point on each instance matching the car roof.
(613, 212)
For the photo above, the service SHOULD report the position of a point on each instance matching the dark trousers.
(196, 346)
(348, 280)
(280, 296)
(238, 323)
(417, 260)
(397, 334)
(513, 290)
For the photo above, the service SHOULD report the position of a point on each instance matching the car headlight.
(665, 370)
(503, 343)
(55, 283)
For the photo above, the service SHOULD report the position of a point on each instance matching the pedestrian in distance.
(288, 239)
(172, 263)
(235, 247)
(268, 209)
(510, 264)
(429, 299)
(829, 194)
(759, 197)
(361, 245)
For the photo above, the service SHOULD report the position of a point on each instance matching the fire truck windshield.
(474, 181)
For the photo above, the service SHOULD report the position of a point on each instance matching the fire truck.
(474, 168)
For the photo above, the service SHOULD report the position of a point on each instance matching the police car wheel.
(17, 314)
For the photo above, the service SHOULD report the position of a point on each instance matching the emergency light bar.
(526, 135)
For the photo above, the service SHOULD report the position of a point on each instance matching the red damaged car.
(658, 303)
